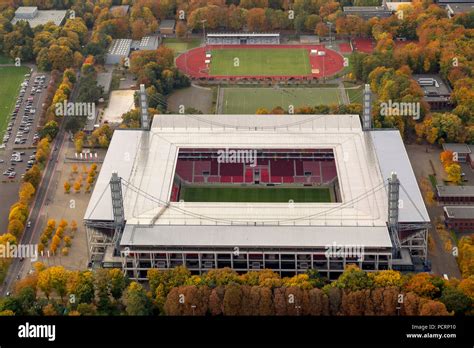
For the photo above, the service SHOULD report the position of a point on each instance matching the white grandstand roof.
(392, 157)
(146, 160)
(251, 236)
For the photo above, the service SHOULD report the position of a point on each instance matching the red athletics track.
(192, 62)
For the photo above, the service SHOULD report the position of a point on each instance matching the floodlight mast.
(118, 210)
(393, 211)
(144, 108)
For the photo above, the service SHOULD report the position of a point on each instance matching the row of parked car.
(15, 159)
(29, 113)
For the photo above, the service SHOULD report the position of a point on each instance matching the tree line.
(175, 292)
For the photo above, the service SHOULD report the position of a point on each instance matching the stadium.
(256, 192)
(257, 56)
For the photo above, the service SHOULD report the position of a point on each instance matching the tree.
(433, 308)
(454, 173)
(136, 300)
(446, 158)
(26, 193)
(181, 29)
(77, 186)
(455, 300)
(256, 19)
(50, 129)
(118, 283)
(67, 187)
(422, 285)
(33, 176)
(15, 227)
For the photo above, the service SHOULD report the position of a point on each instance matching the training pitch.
(260, 61)
(255, 195)
(247, 100)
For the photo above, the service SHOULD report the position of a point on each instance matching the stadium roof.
(393, 157)
(147, 162)
(460, 212)
(255, 236)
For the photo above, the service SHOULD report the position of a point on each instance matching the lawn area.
(260, 61)
(11, 78)
(181, 45)
(247, 100)
(355, 92)
(255, 195)
(5, 60)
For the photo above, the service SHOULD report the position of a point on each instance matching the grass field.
(5, 60)
(255, 195)
(181, 45)
(355, 92)
(260, 61)
(10, 78)
(248, 100)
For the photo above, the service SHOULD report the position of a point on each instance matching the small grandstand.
(243, 39)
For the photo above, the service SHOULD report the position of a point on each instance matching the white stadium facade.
(133, 223)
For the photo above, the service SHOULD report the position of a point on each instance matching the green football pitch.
(11, 78)
(247, 100)
(260, 61)
(255, 195)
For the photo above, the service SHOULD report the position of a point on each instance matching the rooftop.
(455, 191)
(457, 147)
(42, 17)
(167, 24)
(459, 212)
(120, 47)
(433, 86)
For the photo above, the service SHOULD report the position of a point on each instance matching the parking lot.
(17, 149)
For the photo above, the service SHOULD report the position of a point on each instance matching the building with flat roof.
(461, 151)
(459, 8)
(164, 227)
(167, 26)
(367, 12)
(147, 43)
(36, 17)
(437, 91)
(118, 50)
(459, 218)
(455, 194)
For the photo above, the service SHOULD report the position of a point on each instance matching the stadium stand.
(243, 39)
